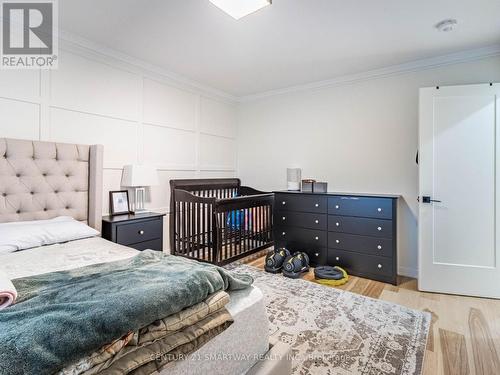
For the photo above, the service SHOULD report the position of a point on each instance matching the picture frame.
(119, 203)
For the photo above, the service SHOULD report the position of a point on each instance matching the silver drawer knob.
(379, 209)
(283, 233)
(316, 238)
(316, 205)
(141, 232)
(337, 206)
(337, 241)
(316, 221)
(337, 258)
(283, 203)
(316, 254)
(283, 218)
(337, 224)
(379, 247)
(379, 266)
(379, 229)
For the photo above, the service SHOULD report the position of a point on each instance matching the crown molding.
(409, 67)
(75, 43)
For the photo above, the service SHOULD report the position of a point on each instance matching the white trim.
(408, 272)
(72, 42)
(409, 67)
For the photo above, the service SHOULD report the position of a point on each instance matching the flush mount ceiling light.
(240, 8)
(446, 25)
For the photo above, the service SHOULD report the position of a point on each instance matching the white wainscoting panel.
(111, 182)
(20, 84)
(218, 174)
(118, 137)
(86, 85)
(169, 106)
(217, 152)
(135, 113)
(160, 195)
(217, 118)
(169, 148)
(19, 119)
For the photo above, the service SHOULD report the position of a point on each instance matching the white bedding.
(21, 235)
(234, 351)
(63, 256)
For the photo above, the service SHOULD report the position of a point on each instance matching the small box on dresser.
(141, 231)
(354, 231)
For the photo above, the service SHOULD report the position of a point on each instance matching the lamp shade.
(139, 176)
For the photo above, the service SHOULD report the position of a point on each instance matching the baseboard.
(408, 272)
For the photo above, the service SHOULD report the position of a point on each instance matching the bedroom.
(210, 115)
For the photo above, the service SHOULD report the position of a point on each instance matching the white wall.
(139, 117)
(360, 137)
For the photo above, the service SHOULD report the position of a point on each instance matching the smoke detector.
(447, 25)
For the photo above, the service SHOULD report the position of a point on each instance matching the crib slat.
(198, 231)
(203, 226)
(176, 226)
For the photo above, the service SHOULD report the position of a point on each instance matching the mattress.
(234, 351)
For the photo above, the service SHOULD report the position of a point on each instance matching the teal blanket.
(63, 316)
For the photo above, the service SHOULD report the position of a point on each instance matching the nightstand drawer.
(128, 234)
(148, 245)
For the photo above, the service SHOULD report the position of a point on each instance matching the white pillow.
(28, 234)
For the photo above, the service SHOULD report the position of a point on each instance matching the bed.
(44, 180)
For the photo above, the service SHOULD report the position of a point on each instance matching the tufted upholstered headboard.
(43, 180)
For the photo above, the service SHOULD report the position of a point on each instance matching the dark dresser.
(355, 231)
(141, 231)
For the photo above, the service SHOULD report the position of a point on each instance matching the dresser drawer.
(301, 202)
(317, 257)
(148, 245)
(360, 206)
(299, 238)
(301, 219)
(128, 234)
(361, 264)
(361, 244)
(361, 226)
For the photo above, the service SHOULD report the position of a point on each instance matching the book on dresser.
(357, 232)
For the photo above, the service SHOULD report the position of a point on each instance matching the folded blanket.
(159, 343)
(63, 316)
(8, 292)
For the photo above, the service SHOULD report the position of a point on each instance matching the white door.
(459, 172)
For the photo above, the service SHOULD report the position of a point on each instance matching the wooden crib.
(218, 220)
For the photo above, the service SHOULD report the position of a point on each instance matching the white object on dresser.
(293, 178)
(459, 222)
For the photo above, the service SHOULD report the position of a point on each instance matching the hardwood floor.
(465, 331)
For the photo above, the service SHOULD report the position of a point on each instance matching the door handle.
(427, 199)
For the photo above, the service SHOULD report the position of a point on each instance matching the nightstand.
(141, 231)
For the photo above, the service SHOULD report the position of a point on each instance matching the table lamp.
(139, 177)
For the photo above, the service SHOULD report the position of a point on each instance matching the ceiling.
(291, 42)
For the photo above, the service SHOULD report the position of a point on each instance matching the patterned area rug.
(336, 332)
